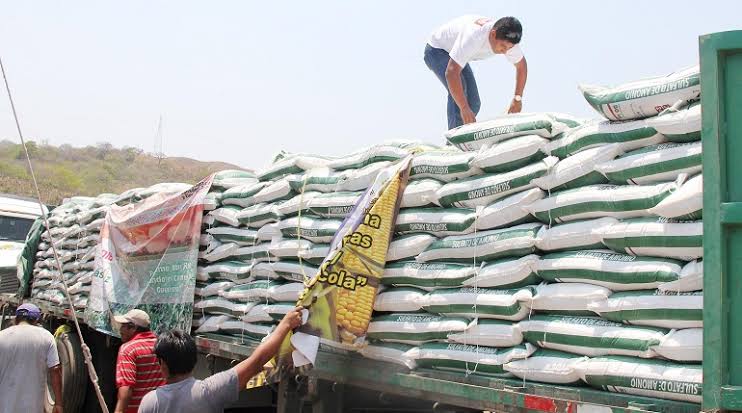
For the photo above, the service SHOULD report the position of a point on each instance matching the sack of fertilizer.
(395, 353)
(579, 169)
(510, 155)
(316, 180)
(486, 189)
(226, 215)
(316, 253)
(443, 165)
(242, 195)
(474, 136)
(334, 205)
(644, 98)
(597, 201)
(653, 308)
(255, 253)
(645, 377)
(426, 276)
(627, 135)
(286, 292)
(567, 298)
(517, 241)
(506, 273)
(435, 221)
(653, 164)
(263, 271)
(267, 313)
(682, 345)
(547, 366)
(421, 193)
(226, 267)
(240, 309)
(508, 211)
(408, 246)
(489, 332)
(474, 302)
(253, 291)
(239, 236)
(616, 271)
(361, 179)
(685, 203)
(212, 201)
(292, 164)
(238, 328)
(288, 248)
(276, 191)
(679, 124)
(469, 359)
(414, 328)
(312, 229)
(379, 153)
(577, 235)
(690, 279)
(400, 300)
(591, 336)
(221, 252)
(294, 271)
(213, 306)
(255, 216)
(232, 178)
(210, 324)
(296, 205)
(656, 237)
(213, 289)
(268, 232)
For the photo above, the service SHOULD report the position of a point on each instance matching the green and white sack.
(645, 377)
(319, 180)
(293, 164)
(547, 366)
(263, 271)
(591, 336)
(242, 195)
(473, 136)
(213, 289)
(443, 165)
(420, 193)
(240, 309)
(516, 241)
(396, 353)
(653, 308)
(486, 189)
(275, 191)
(211, 323)
(510, 154)
(212, 201)
(221, 252)
(644, 98)
(656, 237)
(253, 291)
(628, 136)
(506, 273)
(479, 303)
(379, 153)
(414, 329)
(226, 215)
(577, 235)
(617, 271)
(334, 205)
(254, 253)
(489, 332)
(653, 164)
(400, 300)
(241, 329)
(568, 298)
(508, 211)
(309, 228)
(258, 215)
(288, 248)
(226, 267)
(435, 221)
(213, 306)
(267, 313)
(579, 169)
(299, 203)
(268, 232)
(597, 201)
(469, 359)
(426, 276)
(286, 292)
(679, 125)
(361, 179)
(691, 279)
(685, 203)
(316, 254)
(682, 345)
(239, 236)
(231, 178)
(408, 246)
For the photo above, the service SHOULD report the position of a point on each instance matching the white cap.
(137, 317)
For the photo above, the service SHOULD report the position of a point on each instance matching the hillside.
(65, 170)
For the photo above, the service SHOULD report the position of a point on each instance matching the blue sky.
(238, 81)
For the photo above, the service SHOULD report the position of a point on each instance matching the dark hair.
(23, 316)
(141, 329)
(177, 350)
(508, 28)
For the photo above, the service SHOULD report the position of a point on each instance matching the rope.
(477, 212)
(85, 349)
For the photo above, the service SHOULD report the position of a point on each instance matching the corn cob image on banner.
(340, 297)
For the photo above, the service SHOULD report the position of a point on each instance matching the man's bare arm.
(521, 75)
(123, 396)
(456, 88)
(55, 374)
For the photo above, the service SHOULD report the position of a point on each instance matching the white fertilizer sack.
(443, 165)
(679, 125)
(691, 279)
(547, 366)
(657, 237)
(577, 235)
(491, 333)
(488, 245)
(403, 299)
(653, 308)
(408, 246)
(420, 193)
(479, 303)
(473, 136)
(682, 345)
(508, 211)
(628, 136)
(511, 154)
(414, 328)
(569, 298)
(579, 169)
(685, 203)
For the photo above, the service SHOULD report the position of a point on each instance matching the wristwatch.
(518, 98)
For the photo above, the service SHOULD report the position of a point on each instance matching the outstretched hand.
(293, 318)
(515, 106)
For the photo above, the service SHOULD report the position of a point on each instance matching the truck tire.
(74, 373)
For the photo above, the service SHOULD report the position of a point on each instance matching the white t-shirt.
(26, 354)
(465, 40)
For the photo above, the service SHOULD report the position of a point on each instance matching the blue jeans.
(437, 61)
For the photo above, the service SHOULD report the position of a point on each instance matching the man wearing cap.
(137, 369)
(28, 353)
(465, 39)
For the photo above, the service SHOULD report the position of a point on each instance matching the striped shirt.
(137, 367)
